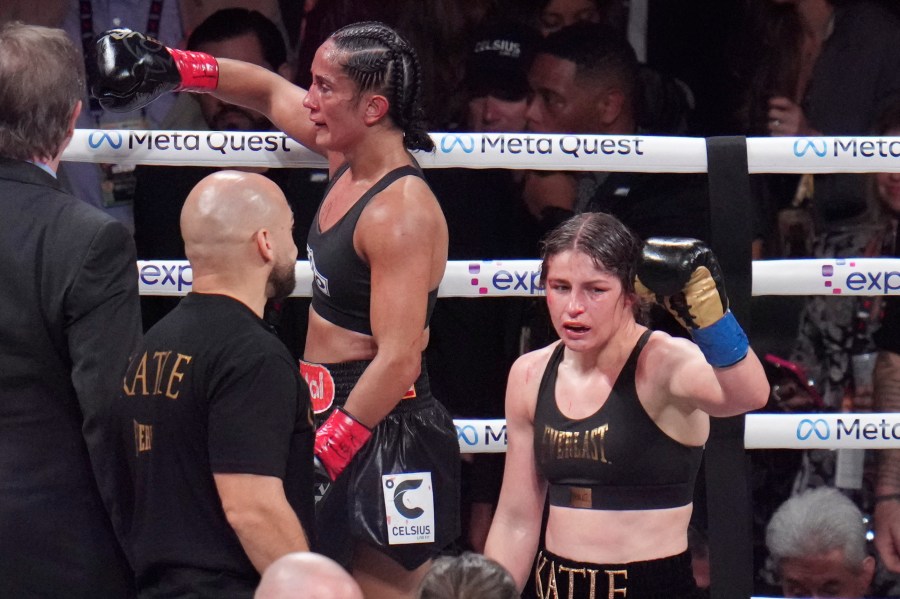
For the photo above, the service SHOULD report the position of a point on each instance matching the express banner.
(521, 278)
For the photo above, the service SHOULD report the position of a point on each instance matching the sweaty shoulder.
(407, 211)
(528, 369)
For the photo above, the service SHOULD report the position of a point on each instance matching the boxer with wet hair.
(609, 423)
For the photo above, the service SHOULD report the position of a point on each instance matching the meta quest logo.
(837, 278)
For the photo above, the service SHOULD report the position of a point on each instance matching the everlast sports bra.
(615, 459)
(342, 286)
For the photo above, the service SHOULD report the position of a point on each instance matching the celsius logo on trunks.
(409, 507)
(528, 281)
(815, 147)
(546, 145)
(848, 428)
(321, 385)
(844, 275)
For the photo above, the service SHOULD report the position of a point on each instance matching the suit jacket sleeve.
(103, 329)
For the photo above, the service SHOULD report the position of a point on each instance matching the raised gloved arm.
(684, 276)
(339, 439)
(129, 70)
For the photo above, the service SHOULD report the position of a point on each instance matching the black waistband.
(599, 497)
(664, 578)
(346, 375)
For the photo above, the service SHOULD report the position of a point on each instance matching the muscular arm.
(887, 513)
(262, 518)
(720, 392)
(515, 530)
(257, 88)
(403, 237)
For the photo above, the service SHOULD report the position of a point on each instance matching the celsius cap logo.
(804, 145)
(465, 142)
(400, 491)
(96, 139)
(808, 427)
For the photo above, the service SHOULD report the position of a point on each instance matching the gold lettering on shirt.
(576, 445)
(140, 374)
(143, 437)
(165, 375)
(161, 359)
(170, 393)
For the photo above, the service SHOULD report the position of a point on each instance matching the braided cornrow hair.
(379, 59)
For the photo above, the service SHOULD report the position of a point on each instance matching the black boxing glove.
(683, 276)
(129, 70)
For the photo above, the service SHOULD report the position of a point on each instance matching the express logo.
(468, 434)
(828, 274)
(96, 139)
(876, 282)
(808, 427)
(465, 142)
(804, 145)
(400, 491)
(475, 269)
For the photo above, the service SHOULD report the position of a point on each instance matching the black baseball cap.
(499, 60)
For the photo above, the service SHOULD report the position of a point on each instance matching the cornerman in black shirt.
(214, 421)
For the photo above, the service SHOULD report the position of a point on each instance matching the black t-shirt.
(211, 390)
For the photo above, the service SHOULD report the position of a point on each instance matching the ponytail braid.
(379, 59)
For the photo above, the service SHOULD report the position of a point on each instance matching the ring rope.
(489, 278)
(538, 151)
(521, 278)
(761, 431)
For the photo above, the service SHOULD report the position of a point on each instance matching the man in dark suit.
(69, 318)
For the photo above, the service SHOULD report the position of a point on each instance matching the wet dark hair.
(230, 23)
(609, 243)
(467, 575)
(379, 60)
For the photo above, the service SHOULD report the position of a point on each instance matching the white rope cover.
(761, 431)
(623, 153)
(521, 278)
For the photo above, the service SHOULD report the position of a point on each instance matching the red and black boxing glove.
(129, 70)
(339, 439)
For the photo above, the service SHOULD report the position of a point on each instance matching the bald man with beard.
(214, 422)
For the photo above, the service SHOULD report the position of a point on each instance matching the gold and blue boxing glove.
(684, 277)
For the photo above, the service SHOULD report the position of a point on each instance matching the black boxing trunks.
(556, 577)
(400, 493)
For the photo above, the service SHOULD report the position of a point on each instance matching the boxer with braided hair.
(378, 248)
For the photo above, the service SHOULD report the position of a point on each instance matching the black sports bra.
(342, 285)
(615, 459)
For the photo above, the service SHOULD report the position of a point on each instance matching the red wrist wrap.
(338, 440)
(199, 71)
